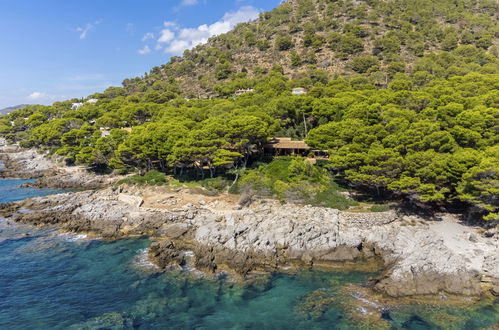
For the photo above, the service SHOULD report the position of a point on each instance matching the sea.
(54, 280)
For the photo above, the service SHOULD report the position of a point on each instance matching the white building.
(298, 91)
(76, 106)
(105, 131)
(91, 101)
(243, 91)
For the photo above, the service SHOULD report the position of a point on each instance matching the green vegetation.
(403, 94)
(296, 180)
(151, 178)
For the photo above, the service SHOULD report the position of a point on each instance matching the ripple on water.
(72, 237)
(142, 262)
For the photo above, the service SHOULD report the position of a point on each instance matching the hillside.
(401, 94)
(374, 38)
(8, 110)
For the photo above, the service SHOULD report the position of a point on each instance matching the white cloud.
(189, 2)
(178, 39)
(147, 36)
(166, 35)
(144, 51)
(37, 96)
(83, 31)
(170, 24)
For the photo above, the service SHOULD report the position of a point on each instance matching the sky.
(55, 50)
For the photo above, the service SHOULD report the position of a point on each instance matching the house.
(299, 91)
(284, 146)
(92, 101)
(243, 91)
(105, 131)
(76, 106)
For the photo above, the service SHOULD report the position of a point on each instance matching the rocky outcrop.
(420, 257)
(23, 163)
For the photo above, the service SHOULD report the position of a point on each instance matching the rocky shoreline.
(215, 234)
(30, 164)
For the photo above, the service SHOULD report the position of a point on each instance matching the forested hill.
(403, 94)
(8, 110)
(373, 38)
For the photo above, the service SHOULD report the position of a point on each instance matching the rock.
(473, 237)
(495, 289)
(342, 253)
(166, 253)
(134, 201)
(175, 230)
(490, 233)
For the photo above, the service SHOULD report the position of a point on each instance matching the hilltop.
(402, 95)
(374, 39)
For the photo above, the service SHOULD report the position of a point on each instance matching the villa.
(243, 91)
(76, 106)
(298, 91)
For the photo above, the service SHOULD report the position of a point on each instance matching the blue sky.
(59, 49)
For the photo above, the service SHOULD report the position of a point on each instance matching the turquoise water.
(10, 190)
(50, 280)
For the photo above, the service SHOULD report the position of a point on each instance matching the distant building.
(91, 101)
(76, 106)
(298, 91)
(284, 146)
(243, 91)
(105, 131)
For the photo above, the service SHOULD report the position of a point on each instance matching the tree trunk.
(246, 158)
(235, 180)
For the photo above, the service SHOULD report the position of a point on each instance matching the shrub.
(284, 43)
(295, 180)
(362, 64)
(215, 184)
(152, 178)
(380, 208)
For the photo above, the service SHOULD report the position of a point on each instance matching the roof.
(286, 143)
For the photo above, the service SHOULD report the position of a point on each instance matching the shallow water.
(10, 190)
(50, 280)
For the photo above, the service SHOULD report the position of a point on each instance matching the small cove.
(50, 280)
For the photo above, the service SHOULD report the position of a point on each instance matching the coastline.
(417, 256)
(31, 164)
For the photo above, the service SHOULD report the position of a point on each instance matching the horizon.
(75, 50)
